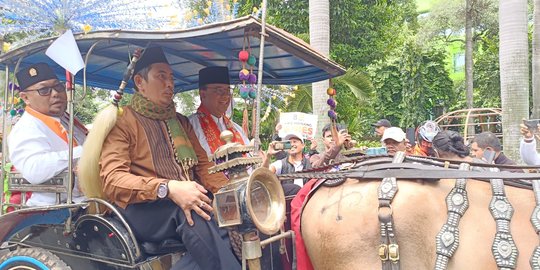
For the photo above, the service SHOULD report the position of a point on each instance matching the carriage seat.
(21, 190)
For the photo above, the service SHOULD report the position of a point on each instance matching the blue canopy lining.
(287, 60)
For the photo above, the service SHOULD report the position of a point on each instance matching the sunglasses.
(45, 91)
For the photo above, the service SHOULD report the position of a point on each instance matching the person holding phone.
(332, 148)
(527, 145)
(487, 146)
(293, 162)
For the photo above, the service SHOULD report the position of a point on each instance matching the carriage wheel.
(32, 259)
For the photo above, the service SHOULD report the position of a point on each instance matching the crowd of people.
(154, 162)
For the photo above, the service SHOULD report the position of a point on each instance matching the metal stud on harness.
(389, 248)
(447, 240)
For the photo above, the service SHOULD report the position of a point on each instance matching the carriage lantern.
(249, 201)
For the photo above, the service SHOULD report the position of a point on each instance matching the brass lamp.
(250, 200)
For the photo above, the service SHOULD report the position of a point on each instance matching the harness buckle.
(393, 252)
(383, 252)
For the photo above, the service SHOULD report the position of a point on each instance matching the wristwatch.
(163, 191)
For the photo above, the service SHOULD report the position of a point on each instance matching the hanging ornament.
(243, 75)
(252, 93)
(243, 56)
(251, 60)
(244, 91)
(332, 103)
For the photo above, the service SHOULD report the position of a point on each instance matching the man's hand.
(313, 145)
(190, 196)
(526, 132)
(271, 149)
(342, 137)
(278, 128)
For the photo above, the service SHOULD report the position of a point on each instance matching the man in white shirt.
(295, 161)
(37, 144)
(527, 145)
(210, 119)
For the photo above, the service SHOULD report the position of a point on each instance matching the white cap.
(393, 133)
(293, 135)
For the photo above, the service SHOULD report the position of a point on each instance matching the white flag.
(65, 52)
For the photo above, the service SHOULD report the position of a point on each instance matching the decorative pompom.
(243, 75)
(20, 111)
(244, 91)
(252, 78)
(253, 93)
(117, 97)
(332, 114)
(331, 91)
(14, 86)
(332, 103)
(120, 111)
(243, 56)
(252, 60)
(12, 112)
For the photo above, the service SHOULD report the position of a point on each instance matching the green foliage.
(94, 101)
(487, 83)
(411, 85)
(360, 31)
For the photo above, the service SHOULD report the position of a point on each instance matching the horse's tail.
(89, 178)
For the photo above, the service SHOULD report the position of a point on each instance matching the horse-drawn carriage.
(349, 222)
(93, 234)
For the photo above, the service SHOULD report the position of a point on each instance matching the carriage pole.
(249, 239)
(4, 146)
(70, 88)
(257, 138)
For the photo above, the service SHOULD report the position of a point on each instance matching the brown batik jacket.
(138, 155)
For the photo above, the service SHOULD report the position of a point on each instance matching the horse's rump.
(340, 225)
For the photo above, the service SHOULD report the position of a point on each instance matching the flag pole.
(70, 89)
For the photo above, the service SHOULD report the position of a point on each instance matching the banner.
(298, 123)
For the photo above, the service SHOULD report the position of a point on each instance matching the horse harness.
(504, 248)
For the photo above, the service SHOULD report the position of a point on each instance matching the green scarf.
(183, 150)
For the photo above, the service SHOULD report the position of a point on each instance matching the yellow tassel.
(89, 178)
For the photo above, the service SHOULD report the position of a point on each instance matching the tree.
(514, 70)
(447, 21)
(412, 84)
(319, 34)
(536, 61)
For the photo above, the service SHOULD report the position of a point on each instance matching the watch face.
(162, 191)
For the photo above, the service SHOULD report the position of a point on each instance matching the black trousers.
(272, 258)
(208, 246)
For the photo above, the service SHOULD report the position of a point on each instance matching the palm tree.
(319, 33)
(514, 70)
(536, 60)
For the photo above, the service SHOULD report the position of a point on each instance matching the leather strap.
(504, 248)
(447, 240)
(535, 220)
(412, 171)
(389, 248)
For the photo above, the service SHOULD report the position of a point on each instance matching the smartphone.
(282, 145)
(411, 136)
(532, 125)
(376, 151)
(489, 156)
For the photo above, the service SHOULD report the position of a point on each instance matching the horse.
(341, 229)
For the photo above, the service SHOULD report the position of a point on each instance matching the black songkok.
(34, 74)
(210, 75)
(150, 56)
